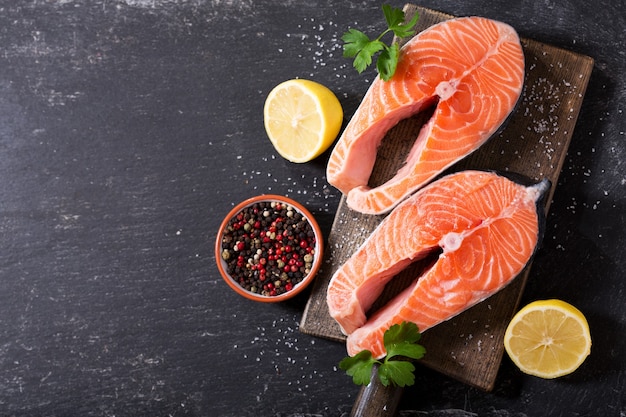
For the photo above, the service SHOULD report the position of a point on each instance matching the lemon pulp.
(302, 119)
(548, 338)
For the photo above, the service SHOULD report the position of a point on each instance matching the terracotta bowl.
(246, 273)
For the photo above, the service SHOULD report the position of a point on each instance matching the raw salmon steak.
(481, 227)
(471, 69)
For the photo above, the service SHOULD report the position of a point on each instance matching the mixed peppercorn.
(268, 247)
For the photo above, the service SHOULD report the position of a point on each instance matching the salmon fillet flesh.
(471, 69)
(485, 228)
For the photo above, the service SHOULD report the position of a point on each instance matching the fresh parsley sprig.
(400, 340)
(360, 47)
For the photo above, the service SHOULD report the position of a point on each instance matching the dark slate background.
(129, 128)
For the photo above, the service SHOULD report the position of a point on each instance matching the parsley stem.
(383, 34)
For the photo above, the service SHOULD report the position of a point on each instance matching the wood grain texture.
(533, 143)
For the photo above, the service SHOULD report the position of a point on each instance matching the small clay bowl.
(279, 267)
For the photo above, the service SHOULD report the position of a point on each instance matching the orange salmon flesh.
(472, 69)
(486, 228)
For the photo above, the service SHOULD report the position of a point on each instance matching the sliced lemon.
(548, 338)
(302, 119)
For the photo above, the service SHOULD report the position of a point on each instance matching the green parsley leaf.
(355, 41)
(399, 340)
(359, 46)
(401, 333)
(400, 29)
(388, 61)
(393, 16)
(359, 367)
(399, 373)
(364, 57)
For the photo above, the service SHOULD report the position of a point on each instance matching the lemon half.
(548, 339)
(302, 119)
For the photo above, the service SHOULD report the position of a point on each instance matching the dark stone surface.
(127, 131)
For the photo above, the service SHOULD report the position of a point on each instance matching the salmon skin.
(471, 69)
(486, 228)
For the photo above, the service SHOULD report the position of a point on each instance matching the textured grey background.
(127, 131)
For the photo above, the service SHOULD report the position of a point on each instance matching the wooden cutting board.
(469, 347)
